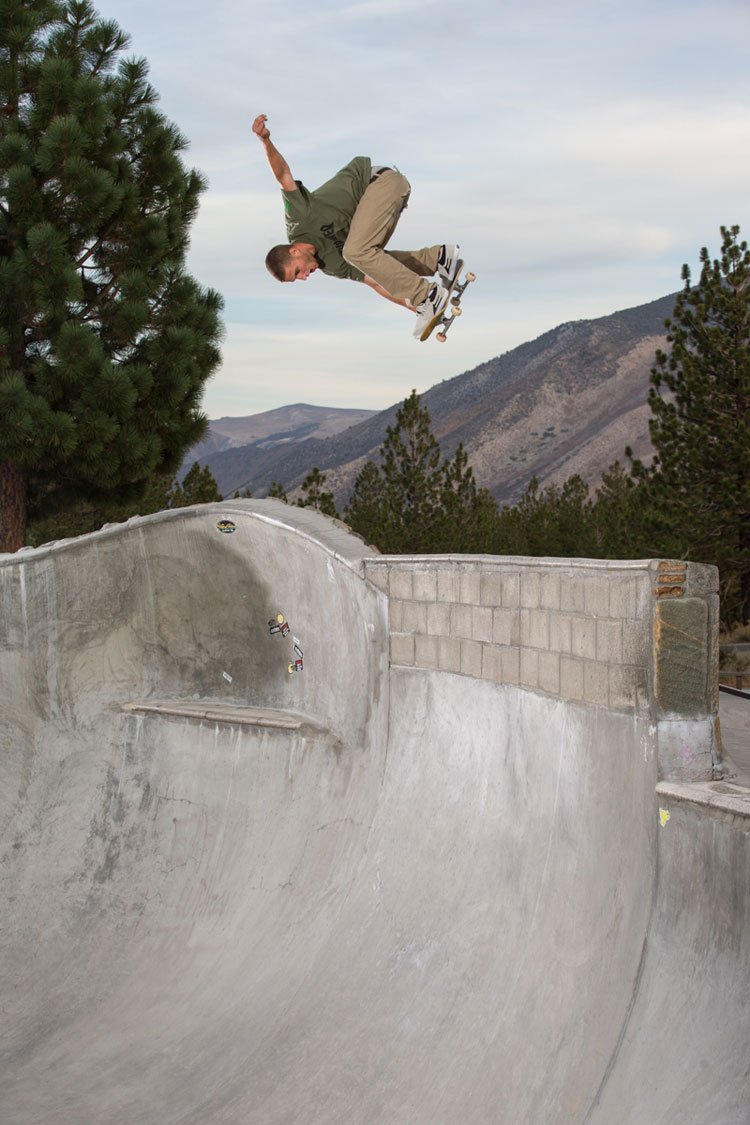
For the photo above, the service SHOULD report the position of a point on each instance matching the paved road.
(232, 893)
(734, 716)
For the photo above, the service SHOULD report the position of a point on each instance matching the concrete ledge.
(226, 713)
(331, 534)
(720, 799)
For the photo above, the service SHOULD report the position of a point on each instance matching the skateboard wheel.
(441, 337)
(471, 277)
(457, 310)
(455, 301)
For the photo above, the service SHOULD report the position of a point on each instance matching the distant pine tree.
(105, 341)
(276, 492)
(415, 503)
(314, 496)
(365, 510)
(197, 487)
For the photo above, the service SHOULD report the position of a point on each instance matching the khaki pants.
(401, 272)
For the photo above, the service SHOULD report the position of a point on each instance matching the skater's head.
(292, 263)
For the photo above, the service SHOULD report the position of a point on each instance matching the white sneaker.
(449, 265)
(434, 303)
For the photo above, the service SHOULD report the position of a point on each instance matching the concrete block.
(425, 585)
(470, 587)
(439, 618)
(609, 642)
(623, 686)
(471, 659)
(511, 587)
(492, 587)
(529, 668)
(492, 667)
(571, 678)
(414, 618)
(549, 672)
(549, 590)
(583, 637)
(506, 626)
(401, 583)
(571, 594)
(560, 632)
(426, 652)
(596, 683)
(622, 597)
(449, 654)
(511, 665)
(636, 643)
(402, 649)
(596, 594)
(447, 583)
(643, 598)
(396, 615)
(461, 622)
(530, 589)
(535, 628)
(481, 623)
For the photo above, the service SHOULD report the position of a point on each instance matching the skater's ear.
(278, 260)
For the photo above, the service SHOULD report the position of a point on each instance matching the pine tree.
(468, 515)
(105, 341)
(618, 520)
(197, 487)
(412, 481)
(554, 522)
(413, 502)
(365, 510)
(276, 492)
(315, 497)
(698, 486)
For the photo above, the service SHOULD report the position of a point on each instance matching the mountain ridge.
(566, 402)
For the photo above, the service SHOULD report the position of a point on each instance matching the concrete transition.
(293, 832)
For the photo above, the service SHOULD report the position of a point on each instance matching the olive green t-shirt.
(322, 217)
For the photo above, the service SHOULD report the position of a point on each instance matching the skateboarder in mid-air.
(342, 228)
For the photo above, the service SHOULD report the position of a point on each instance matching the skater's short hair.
(278, 259)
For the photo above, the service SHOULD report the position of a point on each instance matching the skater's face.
(303, 262)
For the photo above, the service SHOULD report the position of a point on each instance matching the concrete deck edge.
(722, 799)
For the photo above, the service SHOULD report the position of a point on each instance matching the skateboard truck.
(453, 306)
(454, 309)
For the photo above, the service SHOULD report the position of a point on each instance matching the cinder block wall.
(639, 637)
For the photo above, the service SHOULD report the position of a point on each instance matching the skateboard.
(452, 306)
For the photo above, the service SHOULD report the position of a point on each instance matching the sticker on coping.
(277, 624)
(295, 666)
(664, 816)
(226, 527)
(227, 677)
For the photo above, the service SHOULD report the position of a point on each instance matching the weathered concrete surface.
(353, 893)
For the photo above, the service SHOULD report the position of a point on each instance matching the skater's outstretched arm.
(279, 166)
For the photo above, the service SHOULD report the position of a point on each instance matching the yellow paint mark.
(664, 816)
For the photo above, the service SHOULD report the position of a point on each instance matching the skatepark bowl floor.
(293, 832)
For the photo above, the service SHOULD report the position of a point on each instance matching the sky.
(580, 151)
